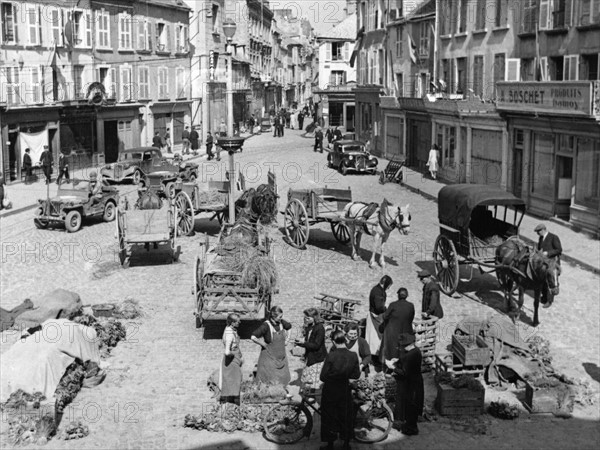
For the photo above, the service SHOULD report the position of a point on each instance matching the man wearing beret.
(431, 305)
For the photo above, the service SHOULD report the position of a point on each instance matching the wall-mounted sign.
(570, 97)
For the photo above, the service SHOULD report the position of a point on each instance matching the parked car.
(349, 155)
(72, 204)
(133, 164)
(265, 124)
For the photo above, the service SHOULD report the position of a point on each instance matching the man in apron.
(377, 300)
(272, 364)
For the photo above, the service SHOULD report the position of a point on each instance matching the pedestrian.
(230, 375)
(47, 161)
(337, 405)
(209, 145)
(314, 338)
(409, 385)
(550, 246)
(397, 320)
(281, 123)
(5, 203)
(218, 152)
(63, 168)
(318, 139)
(157, 140)
(272, 364)
(194, 140)
(288, 118)
(94, 189)
(432, 161)
(329, 136)
(337, 134)
(358, 345)
(185, 136)
(431, 304)
(377, 301)
(301, 120)
(223, 128)
(28, 166)
(276, 126)
(166, 141)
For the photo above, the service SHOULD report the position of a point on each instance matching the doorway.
(350, 117)
(564, 182)
(111, 141)
(13, 158)
(517, 166)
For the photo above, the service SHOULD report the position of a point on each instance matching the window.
(399, 42)
(56, 26)
(571, 68)
(446, 140)
(105, 79)
(589, 67)
(589, 12)
(587, 188)
(337, 51)
(461, 75)
(13, 95)
(9, 26)
(501, 19)
(181, 39)
(499, 67)
(162, 37)
(561, 15)
(543, 182)
(34, 90)
(34, 26)
(478, 75)
(480, 16)
(125, 32)
(556, 68)
(528, 69)
(103, 28)
(215, 19)
(78, 82)
(462, 26)
(424, 38)
(126, 84)
(337, 77)
(82, 28)
(144, 41)
(181, 91)
(400, 85)
(447, 84)
(143, 83)
(163, 86)
(530, 16)
(513, 69)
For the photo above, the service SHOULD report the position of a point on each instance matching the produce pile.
(229, 418)
(30, 429)
(211, 196)
(460, 382)
(503, 410)
(70, 385)
(128, 309)
(540, 349)
(22, 400)
(372, 388)
(75, 430)
(258, 392)
(110, 331)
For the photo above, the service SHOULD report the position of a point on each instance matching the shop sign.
(566, 97)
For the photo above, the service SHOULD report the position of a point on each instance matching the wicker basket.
(104, 310)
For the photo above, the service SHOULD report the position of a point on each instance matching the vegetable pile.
(258, 392)
(75, 430)
(110, 331)
(30, 429)
(460, 382)
(128, 309)
(229, 418)
(503, 410)
(540, 349)
(374, 388)
(22, 400)
(69, 386)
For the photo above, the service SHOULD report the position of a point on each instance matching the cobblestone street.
(159, 374)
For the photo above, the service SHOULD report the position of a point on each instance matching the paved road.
(159, 375)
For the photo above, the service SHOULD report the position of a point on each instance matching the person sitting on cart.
(431, 305)
(337, 406)
(272, 364)
(94, 189)
(358, 345)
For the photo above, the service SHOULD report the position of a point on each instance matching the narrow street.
(159, 374)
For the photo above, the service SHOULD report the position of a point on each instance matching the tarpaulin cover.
(37, 363)
(50, 306)
(35, 142)
(457, 201)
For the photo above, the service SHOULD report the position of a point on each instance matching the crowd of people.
(388, 346)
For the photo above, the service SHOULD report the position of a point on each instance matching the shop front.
(368, 117)
(555, 145)
(394, 120)
(417, 131)
(173, 116)
(337, 106)
(118, 128)
(32, 128)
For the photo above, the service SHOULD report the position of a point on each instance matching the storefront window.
(587, 189)
(543, 165)
(446, 140)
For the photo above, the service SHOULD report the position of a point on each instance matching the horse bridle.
(401, 225)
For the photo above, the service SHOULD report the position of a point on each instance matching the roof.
(179, 4)
(457, 201)
(345, 30)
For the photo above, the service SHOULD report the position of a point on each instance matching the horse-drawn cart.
(474, 221)
(150, 221)
(308, 207)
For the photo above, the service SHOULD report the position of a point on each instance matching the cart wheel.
(373, 424)
(296, 223)
(446, 264)
(287, 423)
(38, 221)
(185, 214)
(341, 232)
(123, 259)
(73, 221)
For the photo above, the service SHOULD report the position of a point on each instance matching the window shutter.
(513, 69)
(568, 13)
(571, 68)
(157, 35)
(347, 51)
(141, 35)
(544, 68)
(328, 51)
(177, 38)
(168, 39)
(544, 14)
(87, 18)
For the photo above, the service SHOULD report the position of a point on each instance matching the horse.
(526, 269)
(377, 221)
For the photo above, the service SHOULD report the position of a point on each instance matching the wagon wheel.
(296, 223)
(341, 232)
(198, 289)
(185, 214)
(446, 264)
(123, 259)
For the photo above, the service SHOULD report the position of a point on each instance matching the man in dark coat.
(337, 406)
(377, 300)
(194, 140)
(209, 145)
(318, 139)
(63, 168)
(300, 120)
(276, 126)
(157, 140)
(431, 305)
(47, 161)
(409, 390)
(550, 246)
(397, 320)
(27, 166)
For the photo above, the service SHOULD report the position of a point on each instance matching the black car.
(349, 155)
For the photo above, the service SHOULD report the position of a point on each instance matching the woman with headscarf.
(314, 344)
(397, 320)
(272, 363)
(377, 299)
(230, 375)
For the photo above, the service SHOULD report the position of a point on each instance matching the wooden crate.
(426, 340)
(471, 352)
(541, 400)
(459, 402)
(445, 364)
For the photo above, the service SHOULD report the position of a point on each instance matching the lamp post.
(229, 29)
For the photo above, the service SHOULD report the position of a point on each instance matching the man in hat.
(409, 390)
(548, 243)
(397, 319)
(63, 168)
(94, 189)
(318, 139)
(27, 165)
(46, 160)
(430, 305)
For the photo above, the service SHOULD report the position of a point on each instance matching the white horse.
(379, 224)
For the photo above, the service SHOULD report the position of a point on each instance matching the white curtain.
(35, 142)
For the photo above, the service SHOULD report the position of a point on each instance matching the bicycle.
(289, 421)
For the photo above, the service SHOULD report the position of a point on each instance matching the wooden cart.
(308, 207)
(145, 227)
(337, 312)
(474, 221)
